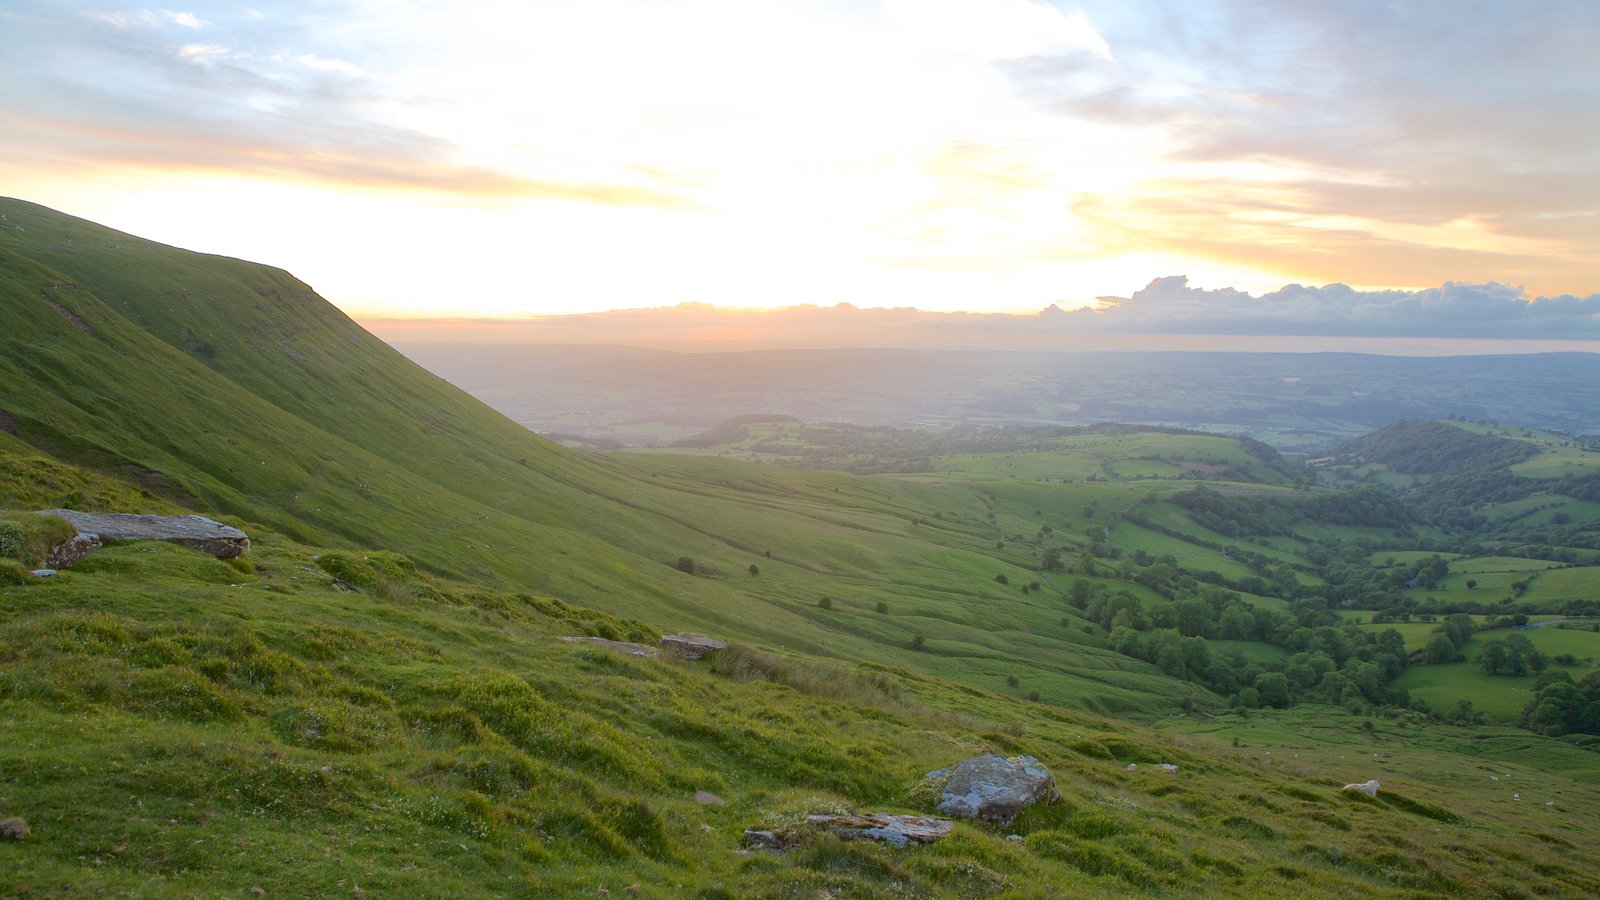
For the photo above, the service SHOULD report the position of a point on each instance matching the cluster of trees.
(1560, 706)
(1424, 447)
(1328, 661)
(1512, 654)
(1448, 639)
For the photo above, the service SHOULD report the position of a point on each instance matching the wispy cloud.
(259, 96)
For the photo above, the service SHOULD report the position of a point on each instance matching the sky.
(510, 159)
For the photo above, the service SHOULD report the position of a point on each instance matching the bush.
(882, 607)
(919, 642)
(28, 537)
(825, 602)
(12, 572)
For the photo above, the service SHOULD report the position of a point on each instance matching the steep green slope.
(179, 726)
(230, 387)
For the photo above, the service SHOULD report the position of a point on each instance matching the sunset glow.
(514, 159)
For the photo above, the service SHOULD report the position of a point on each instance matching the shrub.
(919, 642)
(825, 602)
(12, 572)
(882, 607)
(28, 537)
(1012, 680)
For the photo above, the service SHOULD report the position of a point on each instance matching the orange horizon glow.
(494, 161)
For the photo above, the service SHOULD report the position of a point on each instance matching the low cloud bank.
(1170, 306)
(1167, 314)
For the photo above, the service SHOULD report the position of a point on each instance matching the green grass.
(178, 725)
(207, 727)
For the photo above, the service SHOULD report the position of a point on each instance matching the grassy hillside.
(230, 387)
(187, 726)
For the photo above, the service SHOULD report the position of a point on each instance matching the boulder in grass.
(96, 529)
(993, 788)
(690, 646)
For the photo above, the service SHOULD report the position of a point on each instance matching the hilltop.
(378, 697)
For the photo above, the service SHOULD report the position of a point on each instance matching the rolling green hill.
(179, 725)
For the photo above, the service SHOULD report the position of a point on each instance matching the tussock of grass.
(28, 537)
(742, 662)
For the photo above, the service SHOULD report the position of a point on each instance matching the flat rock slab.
(95, 529)
(894, 830)
(619, 646)
(993, 788)
(690, 646)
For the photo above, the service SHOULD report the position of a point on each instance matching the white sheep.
(1369, 788)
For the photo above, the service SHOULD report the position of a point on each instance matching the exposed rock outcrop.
(993, 788)
(891, 829)
(94, 530)
(71, 550)
(690, 646)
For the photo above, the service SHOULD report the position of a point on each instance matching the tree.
(1492, 657)
(1002, 579)
(755, 569)
(1472, 583)
(686, 564)
(1273, 689)
(1440, 649)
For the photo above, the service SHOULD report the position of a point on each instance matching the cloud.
(1166, 314)
(1421, 136)
(1491, 310)
(259, 96)
(144, 18)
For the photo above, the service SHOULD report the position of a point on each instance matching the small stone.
(258, 891)
(14, 828)
(706, 798)
(1014, 838)
(1130, 767)
(43, 573)
(764, 839)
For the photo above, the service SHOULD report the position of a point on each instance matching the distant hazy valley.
(1298, 402)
